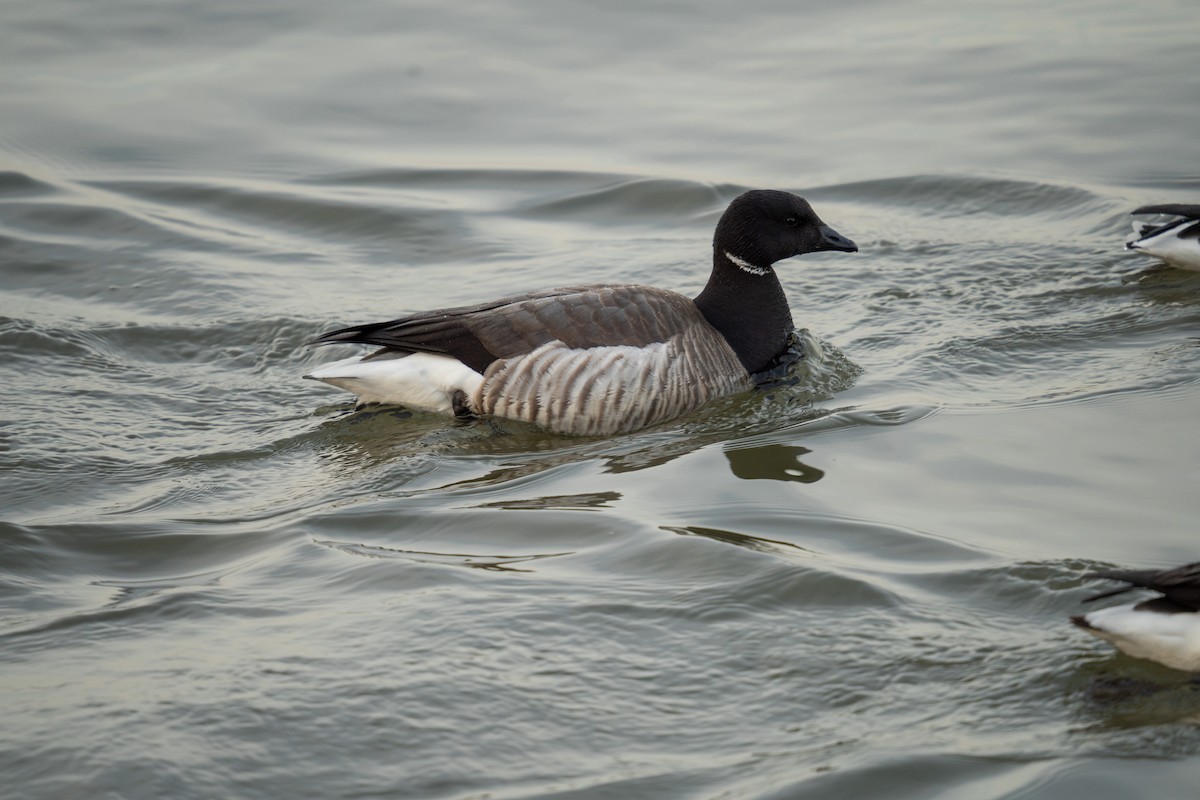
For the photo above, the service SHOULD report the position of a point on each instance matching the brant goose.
(1176, 241)
(1165, 629)
(598, 359)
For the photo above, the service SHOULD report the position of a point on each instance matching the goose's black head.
(764, 226)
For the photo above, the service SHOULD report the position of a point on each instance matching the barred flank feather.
(606, 390)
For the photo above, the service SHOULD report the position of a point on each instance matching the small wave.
(504, 563)
(19, 184)
(456, 181)
(628, 200)
(293, 216)
(958, 196)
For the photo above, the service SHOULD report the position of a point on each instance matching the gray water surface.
(219, 580)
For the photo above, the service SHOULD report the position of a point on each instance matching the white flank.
(1170, 639)
(746, 266)
(1181, 253)
(419, 380)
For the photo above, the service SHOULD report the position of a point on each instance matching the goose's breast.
(599, 391)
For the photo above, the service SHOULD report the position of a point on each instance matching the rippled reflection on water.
(217, 579)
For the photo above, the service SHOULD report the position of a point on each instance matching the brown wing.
(579, 316)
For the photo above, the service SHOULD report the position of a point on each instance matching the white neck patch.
(746, 266)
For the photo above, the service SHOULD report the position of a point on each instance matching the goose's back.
(597, 315)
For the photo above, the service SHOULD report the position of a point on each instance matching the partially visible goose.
(598, 359)
(1165, 629)
(1176, 241)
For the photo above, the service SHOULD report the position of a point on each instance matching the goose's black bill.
(832, 240)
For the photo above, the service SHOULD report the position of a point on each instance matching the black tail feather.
(1109, 593)
(1177, 209)
(1180, 585)
(357, 334)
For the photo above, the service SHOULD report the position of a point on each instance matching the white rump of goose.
(1165, 628)
(1172, 233)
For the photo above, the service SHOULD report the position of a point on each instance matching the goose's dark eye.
(791, 222)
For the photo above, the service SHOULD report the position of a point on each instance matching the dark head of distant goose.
(743, 298)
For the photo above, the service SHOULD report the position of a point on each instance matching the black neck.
(750, 310)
